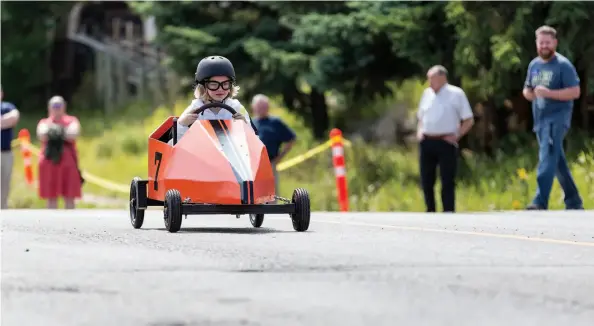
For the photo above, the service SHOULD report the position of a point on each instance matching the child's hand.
(187, 119)
(239, 116)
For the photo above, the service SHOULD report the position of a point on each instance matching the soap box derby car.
(218, 167)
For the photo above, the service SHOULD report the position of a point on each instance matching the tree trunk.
(290, 96)
(523, 111)
(319, 114)
(583, 100)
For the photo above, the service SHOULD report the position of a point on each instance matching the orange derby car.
(218, 167)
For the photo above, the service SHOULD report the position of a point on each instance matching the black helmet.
(215, 65)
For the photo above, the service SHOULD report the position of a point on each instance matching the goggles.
(213, 85)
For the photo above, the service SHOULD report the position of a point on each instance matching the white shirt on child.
(207, 114)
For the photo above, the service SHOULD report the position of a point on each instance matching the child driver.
(215, 79)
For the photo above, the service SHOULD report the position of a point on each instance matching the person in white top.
(215, 82)
(444, 116)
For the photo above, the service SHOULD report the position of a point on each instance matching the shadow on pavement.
(226, 230)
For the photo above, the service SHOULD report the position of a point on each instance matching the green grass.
(379, 178)
(24, 196)
(388, 180)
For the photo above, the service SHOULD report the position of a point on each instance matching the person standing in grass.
(552, 84)
(444, 116)
(10, 117)
(58, 162)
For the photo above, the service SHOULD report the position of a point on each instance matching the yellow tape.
(91, 178)
(309, 154)
(106, 184)
(301, 158)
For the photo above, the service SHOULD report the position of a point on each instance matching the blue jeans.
(551, 163)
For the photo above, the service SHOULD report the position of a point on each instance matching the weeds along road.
(92, 268)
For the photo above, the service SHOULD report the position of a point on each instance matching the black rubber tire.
(256, 220)
(302, 214)
(172, 210)
(136, 215)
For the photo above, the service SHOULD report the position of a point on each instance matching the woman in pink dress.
(59, 174)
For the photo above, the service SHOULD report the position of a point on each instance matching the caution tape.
(307, 155)
(107, 184)
(91, 178)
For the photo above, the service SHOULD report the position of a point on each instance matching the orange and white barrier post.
(338, 161)
(25, 140)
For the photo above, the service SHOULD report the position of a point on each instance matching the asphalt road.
(92, 268)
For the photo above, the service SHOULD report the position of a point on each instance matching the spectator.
(441, 109)
(273, 133)
(58, 163)
(552, 84)
(10, 117)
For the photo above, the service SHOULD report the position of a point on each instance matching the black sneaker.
(581, 208)
(534, 207)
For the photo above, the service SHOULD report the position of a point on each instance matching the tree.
(355, 47)
(279, 45)
(27, 40)
(247, 33)
(571, 23)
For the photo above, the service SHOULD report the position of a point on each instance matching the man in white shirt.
(444, 117)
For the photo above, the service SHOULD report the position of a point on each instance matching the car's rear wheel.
(136, 215)
(301, 217)
(172, 210)
(256, 220)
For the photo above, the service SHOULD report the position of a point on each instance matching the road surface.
(89, 267)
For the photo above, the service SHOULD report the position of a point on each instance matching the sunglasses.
(57, 106)
(213, 85)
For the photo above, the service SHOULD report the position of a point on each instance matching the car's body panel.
(216, 162)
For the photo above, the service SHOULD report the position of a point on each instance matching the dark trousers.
(434, 153)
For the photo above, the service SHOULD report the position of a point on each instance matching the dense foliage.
(26, 47)
(354, 48)
(308, 51)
